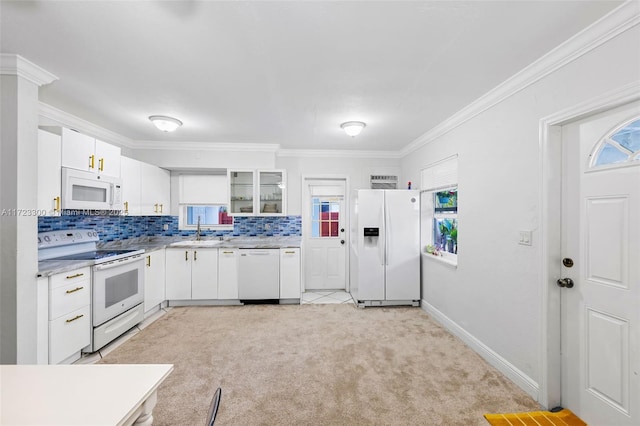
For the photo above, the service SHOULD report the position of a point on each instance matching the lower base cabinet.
(228, 273)
(191, 274)
(290, 273)
(154, 279)
(69, 307)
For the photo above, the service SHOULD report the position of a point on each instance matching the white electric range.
(117, 280)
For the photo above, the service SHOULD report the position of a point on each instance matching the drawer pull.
(227, 252)
(290, 252)
(74, 290)
(74, 276)
(75, 318)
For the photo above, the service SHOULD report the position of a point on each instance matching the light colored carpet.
(318, 365)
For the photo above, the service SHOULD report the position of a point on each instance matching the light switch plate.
(525, 238)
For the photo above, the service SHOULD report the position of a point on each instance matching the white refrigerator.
(385, 247)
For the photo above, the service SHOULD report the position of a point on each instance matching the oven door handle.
(116, 263)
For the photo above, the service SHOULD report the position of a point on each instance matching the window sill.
(448, 259)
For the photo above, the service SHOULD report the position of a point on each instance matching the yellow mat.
(535, 418)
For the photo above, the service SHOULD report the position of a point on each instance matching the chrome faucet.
(198, 236)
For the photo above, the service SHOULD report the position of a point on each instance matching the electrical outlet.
(165, 227)
(267, 226)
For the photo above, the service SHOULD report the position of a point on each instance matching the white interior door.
(601, 235)
(324, 236)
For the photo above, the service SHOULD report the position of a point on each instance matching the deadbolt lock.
(567, 262)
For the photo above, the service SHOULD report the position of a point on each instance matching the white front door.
(324, 235)
(601, 249)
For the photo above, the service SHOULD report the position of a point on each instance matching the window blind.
(439, 175)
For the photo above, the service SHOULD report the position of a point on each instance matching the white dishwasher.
(259, 274)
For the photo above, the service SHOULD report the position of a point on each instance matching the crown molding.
(12, 64)
(619, 20)
(332, 153)
(206, 146)
(52, 116)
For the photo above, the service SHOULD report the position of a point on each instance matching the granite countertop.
(51, 267)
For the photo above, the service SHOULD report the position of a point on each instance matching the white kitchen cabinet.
(257, 192)
(131, 186)
(154, 190)
(228, 273)
(191, 274)
(204, 274)
(49, 163)
(154, 277)
(86, 153)
(290, 273)
(69, 315)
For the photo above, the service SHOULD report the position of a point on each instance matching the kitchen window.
(439, 210)
(210, 217)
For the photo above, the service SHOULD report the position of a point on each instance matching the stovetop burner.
(95, 255)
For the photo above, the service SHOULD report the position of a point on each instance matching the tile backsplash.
(112, 228)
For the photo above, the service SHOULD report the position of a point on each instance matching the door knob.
(342, 242)
(565, 282)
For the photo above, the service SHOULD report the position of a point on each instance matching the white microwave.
(82, 190)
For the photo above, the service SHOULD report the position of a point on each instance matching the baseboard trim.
(523, 381)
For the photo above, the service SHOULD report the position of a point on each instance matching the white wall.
(494, 294)
(357, 169)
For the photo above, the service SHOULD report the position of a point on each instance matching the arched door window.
(620, 146)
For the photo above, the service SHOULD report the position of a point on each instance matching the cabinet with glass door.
(241, 191)
(257, 192)
(272, 184)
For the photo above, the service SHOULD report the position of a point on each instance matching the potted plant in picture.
(446, 198)
(445, 228)
(454, 240)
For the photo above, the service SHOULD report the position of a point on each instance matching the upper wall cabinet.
(155, 190)
(49, 190)
(145, 188)
(131, 182)
(257, 192)
(83, 152)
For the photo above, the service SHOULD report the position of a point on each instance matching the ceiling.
(282, 72)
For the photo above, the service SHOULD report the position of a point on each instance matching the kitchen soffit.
(284, 73)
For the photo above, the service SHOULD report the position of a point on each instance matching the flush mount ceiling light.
(353, 128)
(164, 123)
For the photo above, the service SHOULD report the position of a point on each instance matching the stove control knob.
(47, 238)
(39, 240)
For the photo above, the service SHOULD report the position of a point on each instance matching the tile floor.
(325, 297)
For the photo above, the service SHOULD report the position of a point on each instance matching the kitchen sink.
(196, 243)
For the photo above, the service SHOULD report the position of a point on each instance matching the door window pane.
(325, 217)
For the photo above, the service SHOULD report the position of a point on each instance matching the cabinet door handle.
(155, 208)
(101, 164)
(92, 161)
(74, 276)
(186, 255)
(149, 261)
(75, 318)
(161, 205)
(126, 207)
(74, 290)
(57, 204)
(195, 255)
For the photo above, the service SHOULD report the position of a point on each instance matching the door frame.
(550, 163)
(304, 205)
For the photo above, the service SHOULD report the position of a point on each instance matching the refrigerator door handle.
(387, 232)
(382, 238)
